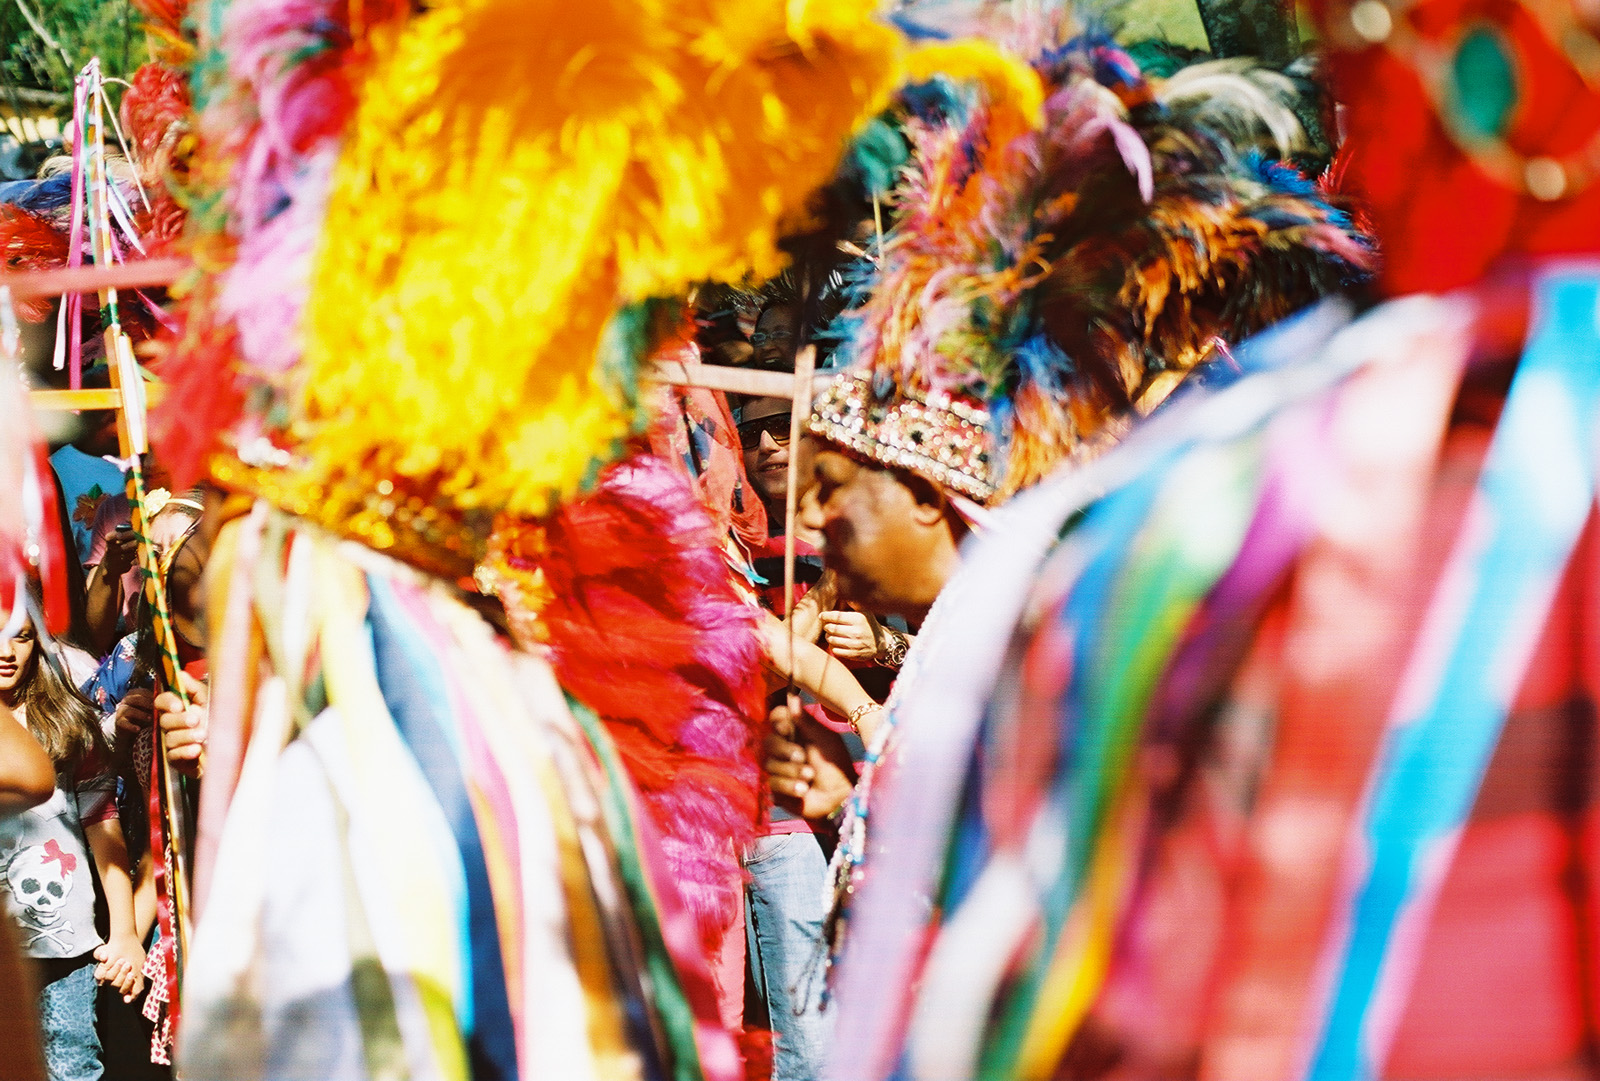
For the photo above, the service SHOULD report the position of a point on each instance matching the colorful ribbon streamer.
(1534, 495)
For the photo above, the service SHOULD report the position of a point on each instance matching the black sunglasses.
(777, 426)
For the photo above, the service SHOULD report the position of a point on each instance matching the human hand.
(183, 731)
(134, 712)
(850, 636)
(807, 766)
(826, 589)
(121, 965)
(122, 552)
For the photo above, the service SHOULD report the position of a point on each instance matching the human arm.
(857, 636)
(103, 599)
(27, 776)
(818, 673)
(807, 616)
(144, 899)
(121, 956)
(132, 715)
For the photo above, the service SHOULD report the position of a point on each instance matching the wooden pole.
(805, 363)
(141, 274)
(127, 384)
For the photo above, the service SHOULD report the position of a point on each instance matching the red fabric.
(1441, 220)
(1513, 923)
(695, 429)
(29, 242)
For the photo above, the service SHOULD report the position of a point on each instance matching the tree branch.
(44, 36)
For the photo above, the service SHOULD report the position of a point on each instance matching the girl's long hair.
(65, 723)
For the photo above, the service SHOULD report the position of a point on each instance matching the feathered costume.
(439, 245)
(1053, 283)
(1040, 289)
(621, 181)
(628, 589)
(1259, 748)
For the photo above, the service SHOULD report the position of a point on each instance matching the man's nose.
(809, 513)
(769, 443)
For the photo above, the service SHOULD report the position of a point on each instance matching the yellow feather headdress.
(516, 174)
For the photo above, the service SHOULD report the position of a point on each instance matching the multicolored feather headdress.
(1040, 287)
(446, 237)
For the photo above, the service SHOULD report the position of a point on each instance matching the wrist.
(860, 713)
(892, 646)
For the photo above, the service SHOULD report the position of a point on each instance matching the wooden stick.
(93, 398)
(133, 443)
(805, 363)
(144, 274)
(726, 377)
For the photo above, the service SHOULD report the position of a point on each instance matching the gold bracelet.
(860, 712)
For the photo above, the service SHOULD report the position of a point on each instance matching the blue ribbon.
(416, 692)
(1533, 498)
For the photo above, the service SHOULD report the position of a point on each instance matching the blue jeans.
(66, 1019)
(783, 929)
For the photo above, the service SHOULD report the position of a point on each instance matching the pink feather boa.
(644, 626)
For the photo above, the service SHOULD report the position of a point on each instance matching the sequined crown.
(943, 439)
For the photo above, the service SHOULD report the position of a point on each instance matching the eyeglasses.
(777, 426)
(775, 337)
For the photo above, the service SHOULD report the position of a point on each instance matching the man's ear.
(928, 502)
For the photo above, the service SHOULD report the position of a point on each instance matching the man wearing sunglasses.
(764, 435)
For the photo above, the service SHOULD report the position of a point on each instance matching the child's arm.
(144, 900)
(27, 777)
(121, 957)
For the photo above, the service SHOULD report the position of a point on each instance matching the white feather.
(1240, 98)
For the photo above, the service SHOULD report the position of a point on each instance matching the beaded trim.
(409, 521)
(944, 439)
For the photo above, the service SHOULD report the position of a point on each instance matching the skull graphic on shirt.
(40, 878)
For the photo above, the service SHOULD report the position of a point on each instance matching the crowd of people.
(80, 885)
(1156, 644)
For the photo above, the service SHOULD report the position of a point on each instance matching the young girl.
(44, 861)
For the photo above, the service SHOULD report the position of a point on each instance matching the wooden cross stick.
(143, 274)
(89, 398)
(733, 380)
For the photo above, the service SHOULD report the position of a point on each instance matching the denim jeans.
(66, 1019)
(783, 928)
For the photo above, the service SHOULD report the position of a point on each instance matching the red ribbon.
(52, 548)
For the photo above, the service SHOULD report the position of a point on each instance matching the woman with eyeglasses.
(773, 338)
